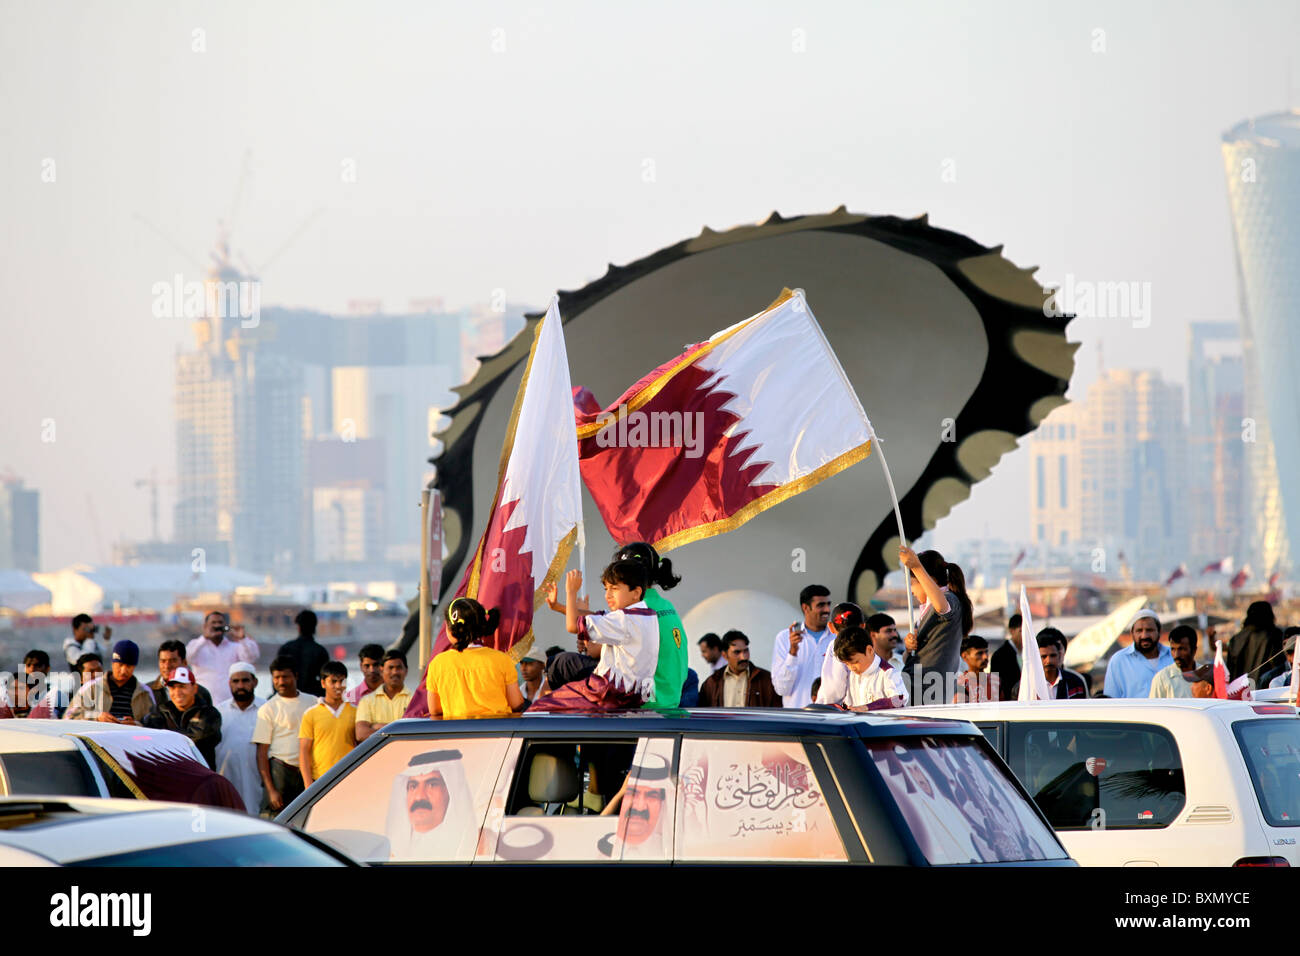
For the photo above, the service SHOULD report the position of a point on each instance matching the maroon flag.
(536, 517)
(731, 427)
(1239, 579)
(1020, 557)
(1180, 571)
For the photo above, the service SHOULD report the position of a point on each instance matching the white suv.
(1155, 782)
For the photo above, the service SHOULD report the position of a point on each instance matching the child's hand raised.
(552, 597)
(572, 583)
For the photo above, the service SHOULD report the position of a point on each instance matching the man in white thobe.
(798, 651)
(237, 754)
(210, 654)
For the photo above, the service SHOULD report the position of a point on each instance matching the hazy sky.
(504, 146)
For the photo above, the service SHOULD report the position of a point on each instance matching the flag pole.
(426, 618)
(898, 517)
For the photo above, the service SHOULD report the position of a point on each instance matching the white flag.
(537, 516)
(1033, 682)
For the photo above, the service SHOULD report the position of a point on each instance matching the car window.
(113, 779)
(960, 806)
(590, 802)
(1100, 776)
(63, 773)
(1272, 751)
(752, 800)
(420, 800)
(271, 849)
(994, 734)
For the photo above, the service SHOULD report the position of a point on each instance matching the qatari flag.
(536, 517)
(1220, 672)
(724, 431)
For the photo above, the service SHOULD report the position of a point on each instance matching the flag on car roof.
(536, 516)
(1033, 682)
(722, 432)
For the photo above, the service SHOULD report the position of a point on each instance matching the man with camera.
(84, 641)
(211, 654)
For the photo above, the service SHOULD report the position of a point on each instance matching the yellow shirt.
(472, 682)
(331, 736)
(378, 708)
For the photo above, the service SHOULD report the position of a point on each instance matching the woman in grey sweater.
(945, 619)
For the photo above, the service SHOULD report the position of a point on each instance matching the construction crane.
(222, 264)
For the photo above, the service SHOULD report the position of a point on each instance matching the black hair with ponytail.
(660, 570)
(468, 622)
(951, 575)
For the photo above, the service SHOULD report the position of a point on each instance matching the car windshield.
(961, 806)
(1272, 751)
(269, 849)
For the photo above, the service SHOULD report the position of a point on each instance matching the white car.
(85, 758)
(70, 831)
(1154, 782)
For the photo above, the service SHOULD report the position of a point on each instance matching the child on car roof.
(627, 636)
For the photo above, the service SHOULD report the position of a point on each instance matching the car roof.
(61, 728)
(1094, 707)
(810, 722)
(28, 736)
(67, 829)
(120, 740)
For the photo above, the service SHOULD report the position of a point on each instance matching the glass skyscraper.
(1261, 160)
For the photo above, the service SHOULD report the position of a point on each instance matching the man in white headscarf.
(946, 826)
(641, 805)
(237, 754)
(430, 811)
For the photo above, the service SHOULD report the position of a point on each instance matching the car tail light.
(1262, 861)
(1275, 709)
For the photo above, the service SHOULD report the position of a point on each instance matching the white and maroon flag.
(1222, 566)
(536, 516)
(1178, 572)
(1220, 672)
(724, 431)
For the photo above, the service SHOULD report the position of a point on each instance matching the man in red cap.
(184, 713)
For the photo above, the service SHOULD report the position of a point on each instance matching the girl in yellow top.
(468, 679)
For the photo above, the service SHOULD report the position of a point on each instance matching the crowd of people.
(270, 749)
(634, 654)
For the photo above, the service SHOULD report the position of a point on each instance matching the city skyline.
(431, 195)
